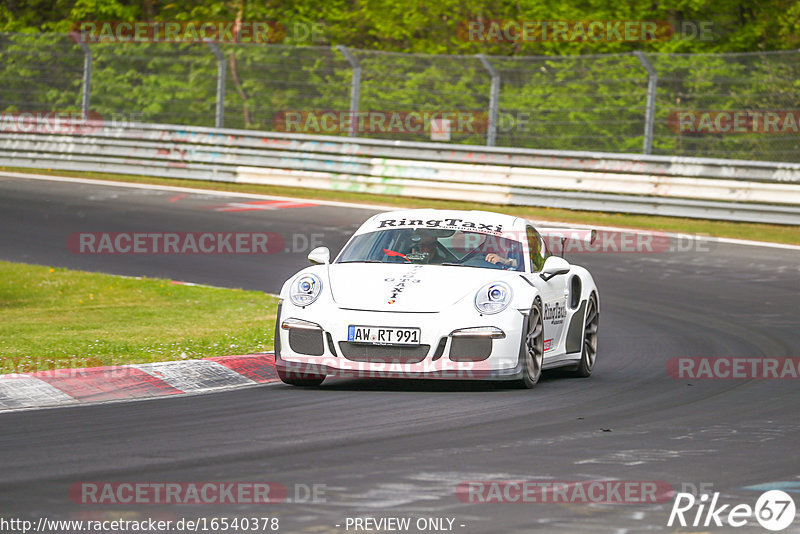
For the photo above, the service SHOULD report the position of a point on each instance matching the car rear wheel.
(294, 378)
(589, 346)
(532, 347)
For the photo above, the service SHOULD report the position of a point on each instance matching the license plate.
(383, 335)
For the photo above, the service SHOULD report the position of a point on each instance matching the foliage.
(583, 95)
(434, 27)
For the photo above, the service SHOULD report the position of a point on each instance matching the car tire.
(531, 351)
(295, 379)
(589, 342)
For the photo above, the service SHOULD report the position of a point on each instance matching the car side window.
(536, 248)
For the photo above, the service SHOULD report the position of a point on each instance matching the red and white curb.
(63, 387)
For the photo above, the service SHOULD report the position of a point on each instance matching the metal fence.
(723, 189)
(626, 103)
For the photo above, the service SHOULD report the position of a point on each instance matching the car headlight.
(305, 290)
(494, 297)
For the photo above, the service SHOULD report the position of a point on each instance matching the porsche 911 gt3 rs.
(439, 294)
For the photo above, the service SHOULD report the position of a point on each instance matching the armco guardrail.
(686, 187)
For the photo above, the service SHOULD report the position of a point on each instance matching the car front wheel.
(532, 347)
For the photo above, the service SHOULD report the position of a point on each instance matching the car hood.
(405, 288)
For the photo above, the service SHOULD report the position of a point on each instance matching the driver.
(495, 258)
(424, 248)
(494, 247)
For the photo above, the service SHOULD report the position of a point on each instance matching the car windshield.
(434, 246)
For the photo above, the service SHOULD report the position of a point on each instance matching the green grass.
(752, 231)
(52, 318)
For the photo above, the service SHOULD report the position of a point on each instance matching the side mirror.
(319, 256)
(554, 266)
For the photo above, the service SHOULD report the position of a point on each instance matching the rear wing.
(560, 239)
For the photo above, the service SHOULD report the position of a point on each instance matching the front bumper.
(313, 341)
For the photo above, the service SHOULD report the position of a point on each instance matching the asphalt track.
(400, 448)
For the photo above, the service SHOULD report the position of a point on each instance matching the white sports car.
(439, 294)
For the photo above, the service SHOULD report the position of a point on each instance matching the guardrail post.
(86, 86)
(355, 88)
(219, 116)
(494, 99)
(650, 114)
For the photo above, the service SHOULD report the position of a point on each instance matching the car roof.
(468, 220)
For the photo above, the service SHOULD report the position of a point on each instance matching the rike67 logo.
(774, 510)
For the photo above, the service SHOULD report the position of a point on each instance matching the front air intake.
(308, 342)
(359, 352)
(470, 349)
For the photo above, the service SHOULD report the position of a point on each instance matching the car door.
(554, 294)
